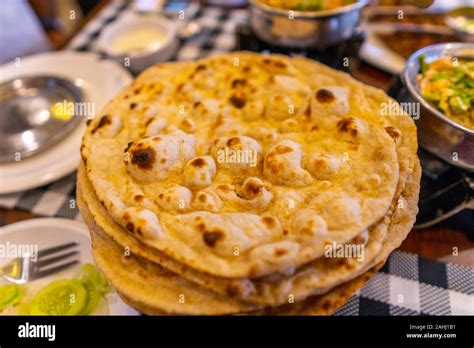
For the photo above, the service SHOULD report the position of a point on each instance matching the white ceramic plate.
(48, 232)
(99, 79)
(375, 52)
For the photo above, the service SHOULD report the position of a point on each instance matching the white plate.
(375, 52)
(48, 232)
(100, 81)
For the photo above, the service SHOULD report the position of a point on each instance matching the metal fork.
(23, 269)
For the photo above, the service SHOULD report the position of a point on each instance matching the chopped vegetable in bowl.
(448, 83)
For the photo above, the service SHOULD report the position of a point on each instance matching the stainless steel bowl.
(305, 29)
(437, 133)
(27, 120)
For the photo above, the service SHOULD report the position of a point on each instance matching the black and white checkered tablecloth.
(217, 35)
(407, 284)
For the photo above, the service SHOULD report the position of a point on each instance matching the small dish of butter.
(141, 40)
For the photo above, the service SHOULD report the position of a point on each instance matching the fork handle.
(6, 268)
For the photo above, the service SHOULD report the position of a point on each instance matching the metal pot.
(305, 29)
(437, 133)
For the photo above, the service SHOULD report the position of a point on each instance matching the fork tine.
(51, 260)
(57, 248)
(53, 270)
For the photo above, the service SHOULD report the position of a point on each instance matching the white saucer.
(99, 79)
(48, 232)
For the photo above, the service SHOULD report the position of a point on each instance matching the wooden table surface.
(432, 243)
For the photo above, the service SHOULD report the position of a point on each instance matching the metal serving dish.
(437, 133)
(305, 29)
(27, 120)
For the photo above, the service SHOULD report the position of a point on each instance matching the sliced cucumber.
(92, 279)
(8, 294)
(62, 297)
(96, 285)
(93, 301)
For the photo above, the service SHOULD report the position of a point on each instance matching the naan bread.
(401, 224)
(319, 305)
(362, 97)
(317, 167)
(316, 277)
(153, 290)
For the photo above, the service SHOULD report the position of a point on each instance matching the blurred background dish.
(389, 45)
(461, 20)
(181, 12)
(35, 114)
(143, 39)
(305, 29)
(99, 81)
(438, 133)
(395, 32)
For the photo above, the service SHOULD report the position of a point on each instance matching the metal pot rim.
(408, 72)
(310, 14)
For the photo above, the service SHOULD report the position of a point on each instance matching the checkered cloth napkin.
(407, 285)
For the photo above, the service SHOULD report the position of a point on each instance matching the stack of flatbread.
(246, 184)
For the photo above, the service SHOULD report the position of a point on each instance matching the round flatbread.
(238, 166)
(316, 277)
(153, 290)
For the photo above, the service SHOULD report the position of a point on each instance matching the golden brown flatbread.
(229, 179)
(153, 290)
(237, 166)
